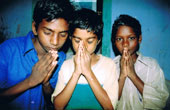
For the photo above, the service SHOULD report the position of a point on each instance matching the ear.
(140, 38)
(34, 28)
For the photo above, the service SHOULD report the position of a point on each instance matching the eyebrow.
(53, 31)
(48, 29)
(76, 37)
(80, 38)
(129, 35)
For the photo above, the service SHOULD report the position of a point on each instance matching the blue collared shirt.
(17, 57)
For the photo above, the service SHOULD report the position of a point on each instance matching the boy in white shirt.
(141, 80)
(87, 80)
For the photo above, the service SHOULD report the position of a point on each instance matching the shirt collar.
(28, 43)
(142, 59)
(117, 59)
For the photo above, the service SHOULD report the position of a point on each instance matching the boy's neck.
(38, 48)
(134, 57)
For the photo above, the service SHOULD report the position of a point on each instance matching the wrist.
(30, 82)
(76, 74)
(132, 76)
(90, 75)
(122, 77)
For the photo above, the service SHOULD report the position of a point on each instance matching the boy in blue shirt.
(29, 65)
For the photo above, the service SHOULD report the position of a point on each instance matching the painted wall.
(15, 18)
(154, 16)
(107, 20)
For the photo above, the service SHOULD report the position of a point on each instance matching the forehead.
(59, 24)
(125, 30)
(83, 34)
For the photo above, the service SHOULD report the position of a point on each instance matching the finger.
(55, 56)
(79, 51)
(51, 66)
(52, 60)
(131, 62)
(125, 54)
(45, 61)
(79, 54)
(50, 72)
(45, 57)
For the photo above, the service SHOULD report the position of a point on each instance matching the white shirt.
(155, 92)
(104, 71)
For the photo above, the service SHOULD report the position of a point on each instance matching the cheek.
(62, 40)
(43, 39)
(133, 45)
(119, 46)
(91, 48)
(75, 46)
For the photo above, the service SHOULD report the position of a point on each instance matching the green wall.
(107, 19)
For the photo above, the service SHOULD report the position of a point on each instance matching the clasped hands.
(126, 64)
(82, 61)
(43, 69)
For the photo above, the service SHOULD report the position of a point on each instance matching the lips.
(53, 49)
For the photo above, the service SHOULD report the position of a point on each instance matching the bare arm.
(131, 73)
(127, 70)
(97, 89)
(61, 100)
(99, 92)
(137, 82)
(9, 94)
(121, 82)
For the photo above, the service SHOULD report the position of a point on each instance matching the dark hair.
(125, 20)
(87, 19)
(52, 9)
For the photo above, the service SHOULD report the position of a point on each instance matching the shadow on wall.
(5, 4)
(4, 34)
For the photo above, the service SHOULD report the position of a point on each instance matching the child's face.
(89, 40)
(52, 35)
(126, 39)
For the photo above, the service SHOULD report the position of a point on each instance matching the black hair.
(52, 9)
(89, 20)
(125, 20)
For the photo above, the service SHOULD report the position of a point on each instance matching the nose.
(84, 44)
(125, 43)
(54, 39)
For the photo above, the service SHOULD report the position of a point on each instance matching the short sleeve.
(111, 84)
(60, 84)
